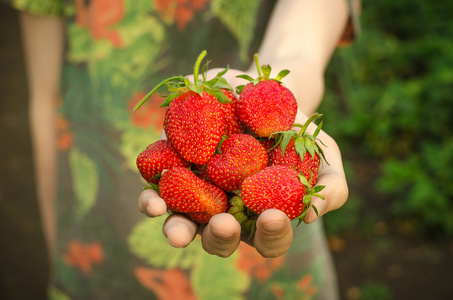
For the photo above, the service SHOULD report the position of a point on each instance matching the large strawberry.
(184, 192)
(298, 150)
(194, 122)
(157, 157)
(279, 187)
(241, 156)
(265, 105)
(195, 125)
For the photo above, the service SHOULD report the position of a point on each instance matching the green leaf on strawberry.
(178, 85)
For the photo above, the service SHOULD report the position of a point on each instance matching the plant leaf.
(310, 145)
(299, 146)
(285, 141)
(318, 188)
(239, 89)
(170, 98)
(246, 77)
(196, 89)
(266, 71)
(222, 83)
(282, 74)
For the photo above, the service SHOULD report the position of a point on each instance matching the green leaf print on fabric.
(55, 294)
(147, 242)
(82, 48)
(239, 17)
(85, 179)
(205, 278)
(43, 7)
(134, 141)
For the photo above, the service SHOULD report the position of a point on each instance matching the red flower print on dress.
(149, 115)
(253, 263)
(302, 290)
(306, 285)
(99, 16)
(83, 256)
(167, 284)
(65, 137)
(179, 11)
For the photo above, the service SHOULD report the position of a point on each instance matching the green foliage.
(375, 291)
(389, 99)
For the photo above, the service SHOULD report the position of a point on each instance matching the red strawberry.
(265, 105)
(195, 126)
(157, 157)
(298, 150)
(194, 122)
(233, 125)
(278, 187)
(241, 156)
(184, 192)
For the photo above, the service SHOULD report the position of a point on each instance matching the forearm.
(301, 37)
(43, 48)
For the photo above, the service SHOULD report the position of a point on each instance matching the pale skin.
(301, 37)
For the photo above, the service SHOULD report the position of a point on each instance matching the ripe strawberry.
(241, 156)
(279, 187)
(195, 125)
(232, 123)
(157, 157)
(184, 192)
(194, 122)
(298, 150)
(265, 105)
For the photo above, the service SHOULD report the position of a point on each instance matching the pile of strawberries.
(225, 153)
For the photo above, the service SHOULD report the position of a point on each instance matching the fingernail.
(274, 226)
(222, 234)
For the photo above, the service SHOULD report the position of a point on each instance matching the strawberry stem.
(158, 86)
(311, 119)
(196, 68)
(258, 67)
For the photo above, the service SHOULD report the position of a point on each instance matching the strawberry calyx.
(303, 141)
(246, 217)
(309, 193)
(264, 73)
(152, 186)
(178, 85)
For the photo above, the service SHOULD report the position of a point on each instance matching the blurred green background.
(388, 103)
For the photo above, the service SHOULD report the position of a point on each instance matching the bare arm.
(43, 45)
(301, 37)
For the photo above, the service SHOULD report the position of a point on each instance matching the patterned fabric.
(116, 51)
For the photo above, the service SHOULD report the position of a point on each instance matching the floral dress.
(116, 51)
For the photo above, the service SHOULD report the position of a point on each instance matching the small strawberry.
(279, 187)
(184, 192)
(265, 105)
(298, 150)
(157, 157)
(194, 122)
(233, 124)
(241, 156)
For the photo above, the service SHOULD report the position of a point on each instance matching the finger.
(150, 204)
(335, 194)
(274, 234)
(179, 230)
(222, 235)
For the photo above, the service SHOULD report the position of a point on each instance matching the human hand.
(222, 235)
